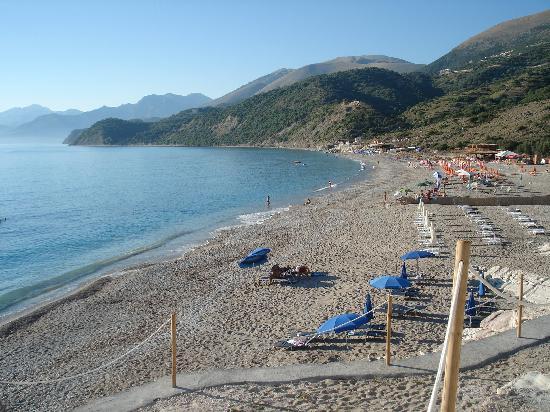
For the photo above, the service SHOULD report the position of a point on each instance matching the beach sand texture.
(225, 320)
(491, 388)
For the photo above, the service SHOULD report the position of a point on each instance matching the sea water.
(75, 212)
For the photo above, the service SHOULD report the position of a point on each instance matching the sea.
(70, 213)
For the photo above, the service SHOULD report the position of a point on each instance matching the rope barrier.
(78, 375)
(454, 303)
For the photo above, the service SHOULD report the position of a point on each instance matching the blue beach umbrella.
(390, 282)
(404, 271)
(481, 289)
(257, 257)
(368, 308)
(417, 254)
(342, 323)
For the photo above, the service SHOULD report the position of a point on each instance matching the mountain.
(153, 106)
(501, 98)
(19, 115)
(249, 89)
(503, 37)
(354, 103)
(287, 77)
(342, 64)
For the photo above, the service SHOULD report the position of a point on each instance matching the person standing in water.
(268, 201)
(330, 183)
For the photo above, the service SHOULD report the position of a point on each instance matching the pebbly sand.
(226, 320)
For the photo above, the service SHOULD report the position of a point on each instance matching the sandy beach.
(226, 320)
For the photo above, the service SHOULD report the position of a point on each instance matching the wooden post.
(456, 319)
(173, 329)
(520, 306)
(388, 330)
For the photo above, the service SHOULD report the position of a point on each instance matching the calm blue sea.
(75, 212)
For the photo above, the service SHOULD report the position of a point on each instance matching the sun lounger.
(298, 342)
(487, 227)
(399, 309)
(487, 234)
(435, 250)
(529, 223)
(537, 231)
(493, 240)
(369, 330)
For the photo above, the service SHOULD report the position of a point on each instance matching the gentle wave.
(28, 292)
(258, 218)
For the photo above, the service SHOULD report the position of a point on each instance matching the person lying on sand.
(301, 271)
(278, 272)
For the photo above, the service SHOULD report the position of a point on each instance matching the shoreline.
(347, 236)
(53, 298)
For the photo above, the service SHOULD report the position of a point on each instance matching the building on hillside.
(483, 150)
(383, 147)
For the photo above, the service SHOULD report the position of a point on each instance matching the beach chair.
(537, 231)
(399, 309)
(278, 273)
(300, 341)
(514, 211)
(493, 240)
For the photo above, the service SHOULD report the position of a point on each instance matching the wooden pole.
(456, 320)
(520, 306)
(388, 330)
(173, 329)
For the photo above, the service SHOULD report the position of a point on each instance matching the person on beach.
(308, 201)
(268, 201)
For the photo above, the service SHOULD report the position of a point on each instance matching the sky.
(88, 53)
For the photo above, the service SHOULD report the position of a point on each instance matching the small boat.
(297, 161)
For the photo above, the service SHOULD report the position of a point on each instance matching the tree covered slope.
(349, 104)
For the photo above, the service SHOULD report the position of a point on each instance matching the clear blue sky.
(84, 54)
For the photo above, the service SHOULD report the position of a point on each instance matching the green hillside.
(349, 104)
(503, 37)
(480, 94)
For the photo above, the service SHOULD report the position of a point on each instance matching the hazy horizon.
(66, 55)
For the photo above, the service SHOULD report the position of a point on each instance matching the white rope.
(78, 375)
(454, 303)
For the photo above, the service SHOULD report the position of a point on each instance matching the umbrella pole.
(388, 330)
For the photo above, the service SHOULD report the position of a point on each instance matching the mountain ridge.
(151, 106)
(500, 38)
(287, 77)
